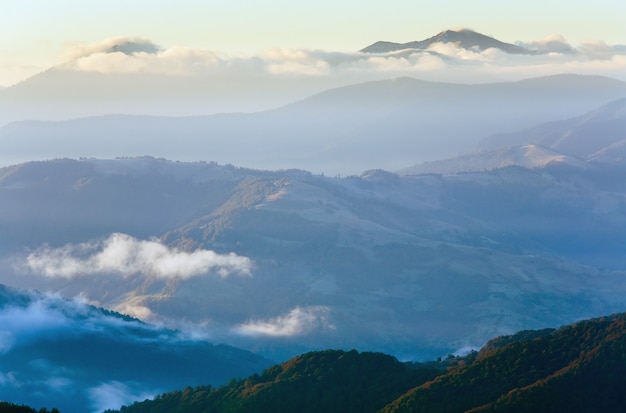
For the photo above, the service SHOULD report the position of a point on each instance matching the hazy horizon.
(245, 174)
(38, 35)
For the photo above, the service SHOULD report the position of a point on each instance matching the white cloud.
(124, 45)
(125, 255)
(178, 61)
(275, 62)
(440, 61)
(39, 318)
(32, 316)
(599, 50)
(114, 394)
(126, 55)
(41, 315)
(465, 350)
(30, 322)
(553, 43)
(453, 51)
(136, 310)
(6, 341)
(443, 61)
(59, 384)
(299, 321)
(9, 378)
(46, 315)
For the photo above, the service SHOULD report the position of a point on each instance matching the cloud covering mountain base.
(81, 358)
(136, 76)
(131, 55)
(285, 262)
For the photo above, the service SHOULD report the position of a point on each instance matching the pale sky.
(35, 33)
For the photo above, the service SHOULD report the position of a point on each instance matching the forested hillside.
(326, 381)
(6, 407)
(577, 368)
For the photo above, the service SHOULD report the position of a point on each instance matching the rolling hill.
(284, 262)
(585, 137)
(576, 368)
(332, 381)
(597, 137)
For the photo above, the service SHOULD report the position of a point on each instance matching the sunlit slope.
(288, 261)
(577, 368)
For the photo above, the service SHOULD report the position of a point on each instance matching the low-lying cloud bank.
(556, 55)
(114, 394)
(124, 255)
(33, 316)
(32, 320)
(88, 360)
(299, 321)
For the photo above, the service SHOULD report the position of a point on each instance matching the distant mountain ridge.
(464, 38)
(585, 141)
(375, 125)
(526, 156)
(586, 136)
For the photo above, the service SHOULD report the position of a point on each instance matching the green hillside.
(327, 381)
(577, 368)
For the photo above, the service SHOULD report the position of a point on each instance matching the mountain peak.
(128, 46)
(131, 46)
(464, 38)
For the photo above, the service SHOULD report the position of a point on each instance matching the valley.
(287, 261)
(306, 230)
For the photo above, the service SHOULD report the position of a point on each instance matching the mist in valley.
(172, 216)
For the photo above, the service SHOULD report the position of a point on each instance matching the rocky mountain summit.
(463, 38)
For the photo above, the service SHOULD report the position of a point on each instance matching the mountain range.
(285, 262)
(388, 125)
(512, 218)
(137, 77)
(307, 109)
(597, 137)
(60, 93)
